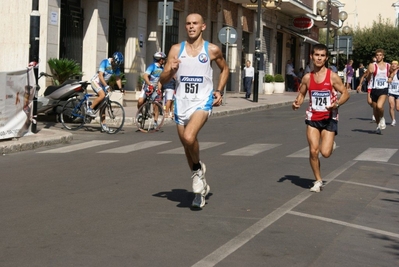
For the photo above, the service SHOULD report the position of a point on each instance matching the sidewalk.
(233, 104)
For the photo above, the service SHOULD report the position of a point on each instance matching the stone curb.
(30, 142)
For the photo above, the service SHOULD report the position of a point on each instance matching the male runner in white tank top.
(378, 74)
(195, 94)
(393, 91)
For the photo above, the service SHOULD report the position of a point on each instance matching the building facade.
(91, 30)
(360, 16)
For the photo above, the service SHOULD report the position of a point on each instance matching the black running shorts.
(376, 93)
(327, 124)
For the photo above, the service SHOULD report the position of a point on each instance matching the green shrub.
(278, 78)
(140, 82)
(63, 69)
(268, 78)
(112, 81)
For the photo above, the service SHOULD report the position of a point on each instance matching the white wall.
(14, 40)
(362, 13)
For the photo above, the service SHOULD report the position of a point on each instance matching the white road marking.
(251, 150)
(365, 228)
(303, 153)
(377, 154)
(134, 147)
(203, 146)
(225, 250)
(80, 146)
(368, 185)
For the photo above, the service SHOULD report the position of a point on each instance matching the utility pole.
(258, 54)
(34, 52)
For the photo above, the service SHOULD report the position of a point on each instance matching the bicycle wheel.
(114, 117)
(73, 114)
(152, 117)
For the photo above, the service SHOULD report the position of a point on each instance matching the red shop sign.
(303, 23)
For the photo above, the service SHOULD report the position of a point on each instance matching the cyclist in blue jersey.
(99, 82)
(151, 77)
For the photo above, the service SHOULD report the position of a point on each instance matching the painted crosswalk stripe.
(80, 146)
(251, 150)
(303, 153)
(377, 154)
(203, 146)
(134, 147)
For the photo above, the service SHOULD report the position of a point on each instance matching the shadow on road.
(362, 119)
(182, 196)
(298, 181)
(364, 131)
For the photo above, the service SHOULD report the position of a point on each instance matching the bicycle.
(73, 115)
(150, 116)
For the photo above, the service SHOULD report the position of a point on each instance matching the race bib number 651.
(191, 83)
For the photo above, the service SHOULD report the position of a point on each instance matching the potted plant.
(117, 95)
(140, 82)
(268, 85)
(63, 69)
(279, 85)
(112, 81)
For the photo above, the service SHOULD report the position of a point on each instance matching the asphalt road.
(124, 199)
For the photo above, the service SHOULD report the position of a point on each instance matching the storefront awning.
(305, 38)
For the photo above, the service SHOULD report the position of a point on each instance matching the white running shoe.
(199, 182)
(382, 123)
(334, 146)
(373, 118)
(317, 186)
(393, 123)
(90, 113)
(104, 128)
(199, 200)
(378, 130)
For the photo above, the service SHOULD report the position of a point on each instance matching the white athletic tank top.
(380, 77)
(394, 85)
(194, 76)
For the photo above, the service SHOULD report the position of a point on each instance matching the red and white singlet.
(321, 95)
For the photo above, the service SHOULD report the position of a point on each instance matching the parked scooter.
(55, 97)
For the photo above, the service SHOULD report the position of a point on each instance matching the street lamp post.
(324, 9)
(258, 54)
(334, 34)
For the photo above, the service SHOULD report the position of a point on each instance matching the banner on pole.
(17, 90)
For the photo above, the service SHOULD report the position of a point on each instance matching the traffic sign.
(344, 42)
(227, 35)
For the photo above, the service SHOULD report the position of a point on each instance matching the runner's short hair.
(319, 47)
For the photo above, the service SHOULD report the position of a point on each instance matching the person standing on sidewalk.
(249, 72)
(393, 91)
(378, 75)
(169, 92)
(322, 113)
(290, 74)
(191, 61)
(349, 74)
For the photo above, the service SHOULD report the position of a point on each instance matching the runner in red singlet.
(322, 113)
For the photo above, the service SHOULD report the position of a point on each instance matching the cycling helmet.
(159, 55)
(118, 58)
